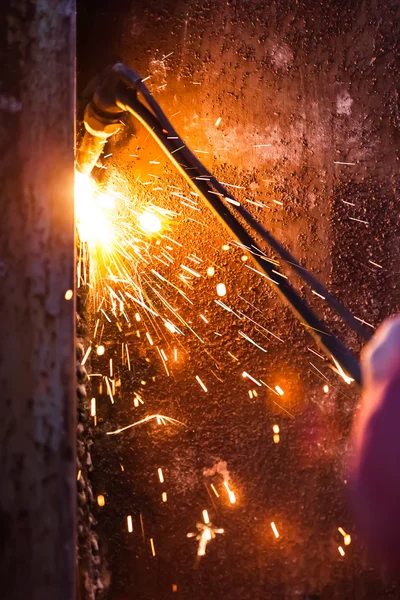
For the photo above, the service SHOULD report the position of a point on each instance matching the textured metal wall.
(306, 94)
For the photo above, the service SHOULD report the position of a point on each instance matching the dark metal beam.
(37, 357)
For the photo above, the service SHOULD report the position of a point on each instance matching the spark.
(221, 290)
(279, 390)
(246, 375)
(262, 274)
(84, 359)
(342, 531)
(275, 428)
(246, 337)
(204, 318)
(160, 475)
(338, 162)
(164, 496)
(109, 391)
(150, 222)
(277, 438)
(211, 271)
(347, 539)
(359, 220)
(129, 523)
(101, 500)
(326, 389)
(191, 271)
(364, 322)
(142, 526)
(153, 550)
(340, 372)
(274, 529)
(160, 419)
(231, 494)
(375, 264)
(93, 407)
(341, 551)
(214, 489)
(174, 587)
(79, 475)
(201, 383)
(206, 518)
(218, 122)
(206, 533)
(68, 294)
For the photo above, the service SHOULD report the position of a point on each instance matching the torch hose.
(119, 93)
(181, 158)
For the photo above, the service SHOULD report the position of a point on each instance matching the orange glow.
(150, 222)
(221, 290)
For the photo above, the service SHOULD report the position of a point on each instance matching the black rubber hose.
(181, 157)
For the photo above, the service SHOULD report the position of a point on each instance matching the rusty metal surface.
(300, 89)
(37, 248)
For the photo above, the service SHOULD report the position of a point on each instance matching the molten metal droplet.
(221, 289)
(150, 222)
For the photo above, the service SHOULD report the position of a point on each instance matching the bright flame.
(150, 222)
(92, 212)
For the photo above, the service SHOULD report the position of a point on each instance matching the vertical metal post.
(37, 261)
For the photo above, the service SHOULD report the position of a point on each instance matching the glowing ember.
(206, 533)
(150, 222)
(221, 290)
(129, 523)
(93, 407)
(274, 529)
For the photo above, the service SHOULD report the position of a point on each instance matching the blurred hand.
(375, 469)
(381, 357)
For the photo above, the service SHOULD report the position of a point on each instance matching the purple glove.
(376, 440)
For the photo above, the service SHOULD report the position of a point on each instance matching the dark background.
(317, 81)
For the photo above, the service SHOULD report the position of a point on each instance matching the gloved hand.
(375, 470)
